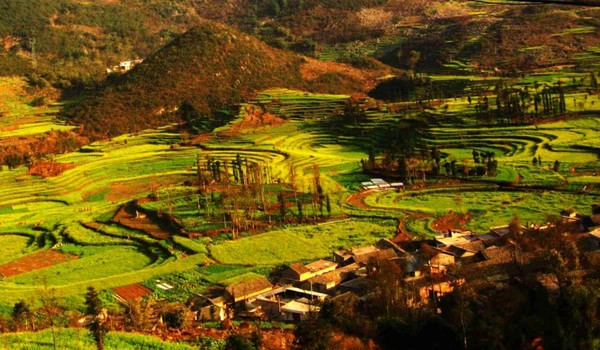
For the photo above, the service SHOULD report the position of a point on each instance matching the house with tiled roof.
(248, 289)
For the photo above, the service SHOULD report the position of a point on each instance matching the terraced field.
(74, 212)
(110, 209)
(18, 115)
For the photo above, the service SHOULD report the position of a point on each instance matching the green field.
(298, 243)
(487, 207)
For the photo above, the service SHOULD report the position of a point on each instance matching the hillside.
(70, 43)
(520, 38)
(200, 74)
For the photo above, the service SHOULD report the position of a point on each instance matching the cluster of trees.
(418, 87)
(518, 105)
(429, 162)
(240, 192)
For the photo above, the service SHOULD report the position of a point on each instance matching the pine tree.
(97, 317)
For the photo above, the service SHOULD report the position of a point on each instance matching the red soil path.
(35, 261)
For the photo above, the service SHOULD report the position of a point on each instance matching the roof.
(320, 265)
(452, 240)
(299, 268)
(490, 270)
(131, 292)
(379, 181)
(595, 233)
(274, 292)
(296, 307)
(486, 237)
(357, 283)
(248, 289)
(504, 230)
(459, 251)
(498, 254)
(336, 276)
(378, 255)
(199, 301)
(385, 243)
(363, 250)
(474, 246)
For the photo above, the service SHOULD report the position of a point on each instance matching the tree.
(593, 81)
(282, 205)
(21, 315)
(312, 334)
(492, 167)
(96, 317)
(52, 312)
(174, 317)
(354, 112)
(476, 158)
(238, 342)
(300, 212)
(556, 166)
(138, 314)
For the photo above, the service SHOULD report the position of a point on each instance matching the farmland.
(145, 206)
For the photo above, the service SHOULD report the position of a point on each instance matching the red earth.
(35, 261)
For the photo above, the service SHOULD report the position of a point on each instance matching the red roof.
(131, 292)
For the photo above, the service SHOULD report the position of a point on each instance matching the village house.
(326, 282)
(288, 303)
(439, 262)
(346, 256)
(208, 309)
(453, 237)
(245, 290)
(377, 255)
(299, 272)
(362, 255)
(385, 243)
(124, 66)
(126, 294)
(467, 252)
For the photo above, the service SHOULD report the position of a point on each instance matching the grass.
(78, 339)
(108, 261)
(13, 247)
(487, 208)
(298, 243)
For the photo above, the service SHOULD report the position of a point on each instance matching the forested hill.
(209, 67)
